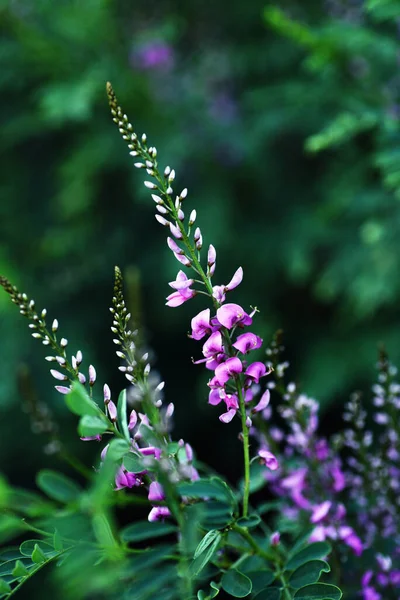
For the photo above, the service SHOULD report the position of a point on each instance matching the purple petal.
(158, 513)
(230, 367)
(228, 416)
(268, 459)
(236, 279)
(156, 492)
(247, 341)
(201, 324)
(263, 403)
(320, 511)
(231, 314)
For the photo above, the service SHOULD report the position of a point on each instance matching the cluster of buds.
(67, 370)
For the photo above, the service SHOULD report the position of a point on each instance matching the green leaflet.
(318, 591)
(317, 550)
(308, 573)
(236, 584)
(58, 486)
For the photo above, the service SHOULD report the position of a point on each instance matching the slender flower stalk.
(234, 377)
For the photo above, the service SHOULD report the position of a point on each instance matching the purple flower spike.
(230, 315)
(228, 416)
(255, 371)
(263, 403)
(227, 369)
(246, 342)
(268, 459)
(201, 324)
(156, 492)
(158, 513)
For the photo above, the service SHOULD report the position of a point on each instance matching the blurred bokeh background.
(282, 121)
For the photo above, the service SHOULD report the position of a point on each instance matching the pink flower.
(201, 324)
(228, 416)
(230, 315)
(214, 397)
(184, 292)
(158, 513)
(268, 459)
(255, 371)
(228, 369)
(156, 492)
(220, 290)
(124, 478)
(246, 342)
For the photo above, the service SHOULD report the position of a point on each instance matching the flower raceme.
(235, 378)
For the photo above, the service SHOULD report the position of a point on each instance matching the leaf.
(20, 569)
(205, 542)
(271, 593)
(251, 521)
(268, 507)
(28, 546)
(7, 568)
(200, 562)
(58, 486)
(4, 587)
(102, 531)
(149, 558)
(260, 579)
(57, 542)
(215, 515)
(236, 583)
(79, 402)
(92, 425)
(134, 463)
(208, 488)
(117, 449)
(308, 573)
(122, 415)
(9, 554)
(318, 591)
(215, 589)
(314, 551)
(29, 503)
(38, 555)
(137, 532)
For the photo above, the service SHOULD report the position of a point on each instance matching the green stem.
(246, 450)
(286, 594)
(251, 541)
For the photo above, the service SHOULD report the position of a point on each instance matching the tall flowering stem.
(233, 376)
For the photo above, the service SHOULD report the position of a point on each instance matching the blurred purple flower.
(154, 55)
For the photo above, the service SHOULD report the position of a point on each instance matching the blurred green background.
(282, 121)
